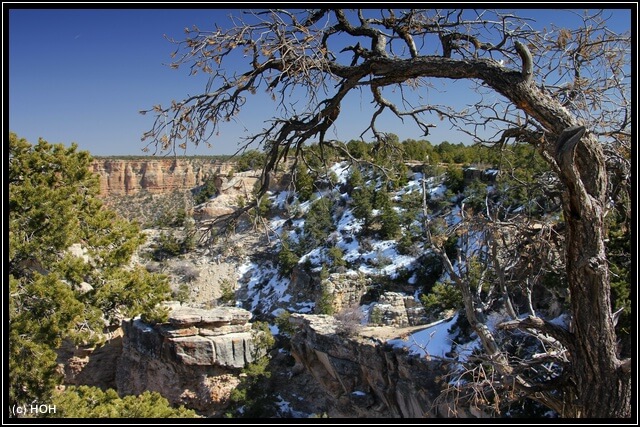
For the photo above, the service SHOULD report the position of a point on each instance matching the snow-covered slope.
(266, 287)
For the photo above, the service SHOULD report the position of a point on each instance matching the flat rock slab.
(216, 317)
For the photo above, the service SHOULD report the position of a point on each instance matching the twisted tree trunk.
(601, 382)
(598, 383)
(595, 383)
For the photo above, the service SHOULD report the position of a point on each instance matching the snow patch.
(342, 171)
(433, 341)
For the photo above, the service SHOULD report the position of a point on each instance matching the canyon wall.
(363, 377)
(155, 175)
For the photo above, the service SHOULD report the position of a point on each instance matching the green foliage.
(318, 156)
(92, 402)
(389, 155)
(375, 316)
(454, 153)
(263, 340)
(318, 223)
(619, 257)
(127, 293)
(250, 160)
(421, 150)
(169, 245)
(47, 185)
(208, 190)
(284, 325)
(264, 207)
(324, 305)
(336, 256)
(166, 210)
(359, 149)
(324, 273)
(158, 314)
(379, 198)
(171, 218)
(475, 194)
(52, 206)
(303, 183)
(362, 205)
(333, 178)
(32, 368)
(400, 176)
(477, 275)
(526, 182)
(455, 180)
(355, 179)
(364, 200)
(287, 258)
(389, 222)
(451, 246)
(228, 295)
(411, 204)
(443, 296)
(254, 397)
(408, 243)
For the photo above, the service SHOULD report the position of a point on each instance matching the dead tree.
(565, 91)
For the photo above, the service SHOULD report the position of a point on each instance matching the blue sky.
(82, 76)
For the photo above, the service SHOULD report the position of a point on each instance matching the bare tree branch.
(565, 91)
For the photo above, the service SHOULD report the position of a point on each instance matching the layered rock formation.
(394, 308)
(193, 360)
(346, 290)
(157, 176)
(362, 376)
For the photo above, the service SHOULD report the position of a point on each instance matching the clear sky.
(82, 75)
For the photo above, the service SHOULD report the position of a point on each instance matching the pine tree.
(319, 223)
(355, 180)
(304, 183)
(361, 202)
(389, 222)
(91, 402)
(55, 294)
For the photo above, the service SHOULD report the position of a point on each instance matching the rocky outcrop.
(394, 308)
(156, 176)
(362, 376)
(232, 193)
(193, 360)
(346, 290)
(92, 366)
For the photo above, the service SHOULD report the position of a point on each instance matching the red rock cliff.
(130, 176)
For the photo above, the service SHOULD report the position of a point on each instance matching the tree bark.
(602, 388)
(598, 384)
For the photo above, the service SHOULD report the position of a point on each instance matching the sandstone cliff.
(194, 360)
(363, 377)
(130, 176)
